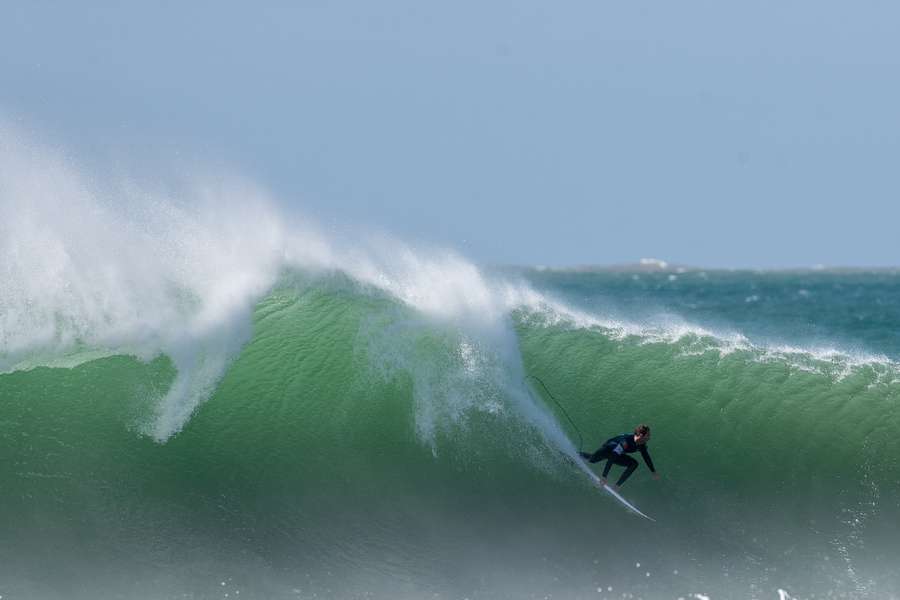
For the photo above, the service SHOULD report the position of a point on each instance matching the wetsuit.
(615, 450)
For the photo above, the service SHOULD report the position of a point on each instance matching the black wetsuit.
(614, 450)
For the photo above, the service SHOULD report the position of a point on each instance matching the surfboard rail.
(599, 483)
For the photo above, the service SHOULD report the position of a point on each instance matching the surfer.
(615, 450)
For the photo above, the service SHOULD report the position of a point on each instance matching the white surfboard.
(599, 483)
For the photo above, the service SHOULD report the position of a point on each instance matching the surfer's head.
(641, 434)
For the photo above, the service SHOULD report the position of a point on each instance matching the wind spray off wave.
(97, 268)
(91, 267)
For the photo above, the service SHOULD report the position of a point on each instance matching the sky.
(720, 134)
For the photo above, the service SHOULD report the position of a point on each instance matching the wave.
(120, 270)
(350, 422)
(336, 401)
(99, 269)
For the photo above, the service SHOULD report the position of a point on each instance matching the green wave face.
(354, 448)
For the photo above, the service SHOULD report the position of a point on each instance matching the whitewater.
(206, 394)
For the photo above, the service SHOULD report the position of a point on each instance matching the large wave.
(96, 268)
(411, 365)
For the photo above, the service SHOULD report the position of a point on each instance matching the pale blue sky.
(761, 134)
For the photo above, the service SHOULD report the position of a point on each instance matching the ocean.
(212, 400)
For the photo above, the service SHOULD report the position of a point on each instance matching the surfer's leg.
(601, 453)
(630, 465)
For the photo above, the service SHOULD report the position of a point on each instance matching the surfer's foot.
(584, 455)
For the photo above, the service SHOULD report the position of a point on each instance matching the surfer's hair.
(642, 430)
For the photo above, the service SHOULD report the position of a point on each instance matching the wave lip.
(694, 339)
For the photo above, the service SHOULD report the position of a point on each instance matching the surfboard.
(599, 483)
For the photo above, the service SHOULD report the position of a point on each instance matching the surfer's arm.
(647, 458)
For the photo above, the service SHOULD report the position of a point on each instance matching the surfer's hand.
(656, 476)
